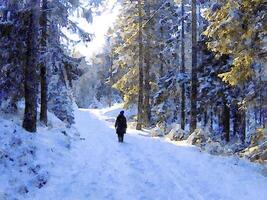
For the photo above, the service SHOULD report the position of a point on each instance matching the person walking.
(121, 126)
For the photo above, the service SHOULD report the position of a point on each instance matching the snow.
(97, 167)
(109, 113)
(26, 158)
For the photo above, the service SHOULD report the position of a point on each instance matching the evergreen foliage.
(236, 28)
(48, 54)
(230, 56)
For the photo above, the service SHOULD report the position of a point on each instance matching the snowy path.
(143, 168)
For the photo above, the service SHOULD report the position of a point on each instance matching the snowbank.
(161, 129)
(173, 132)
(257, 151)
(26, 158)
(157, 132)
(199, 137)
(213, 144)
(176, 133)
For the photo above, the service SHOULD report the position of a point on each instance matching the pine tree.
(43, 68)
(31, 69)
(182, 70)
(13, 29)
(235, 28)
(147, 67)
(141, 73)
(193, 111)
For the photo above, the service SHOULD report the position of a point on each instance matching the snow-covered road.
(144, 168)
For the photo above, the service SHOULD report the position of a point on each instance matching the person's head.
(121, 112)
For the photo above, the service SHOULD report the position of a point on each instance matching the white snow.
(97, 167)
(26, 159)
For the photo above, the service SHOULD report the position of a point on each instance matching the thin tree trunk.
(30, 70)
(235, 118)
(110, 78)
(161, 71)
(182, 70)
(205, 117)
(140, 92)
(147, 111)
(242, 129)
(43, 70)
(261, 114)
(239, 115)
(211, 119)
(226, 121)
(193, 114)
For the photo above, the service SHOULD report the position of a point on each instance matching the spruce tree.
(31, 68)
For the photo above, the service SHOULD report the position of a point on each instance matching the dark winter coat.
(121, 124)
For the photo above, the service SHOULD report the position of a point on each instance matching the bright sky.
(101, 23)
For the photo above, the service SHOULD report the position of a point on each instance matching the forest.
(195, 64)
(185, 70)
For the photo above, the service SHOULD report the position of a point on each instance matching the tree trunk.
(31, 70)
(239, 116)
(226, 121)
(193, 114)
(182, 70)
(147, 111)
(140, 92)
(110, 78)
(211, 119)
(261, 102)
(242, 129)
(205, 117)
(161, 70)
(43, 70)
(235, 118)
